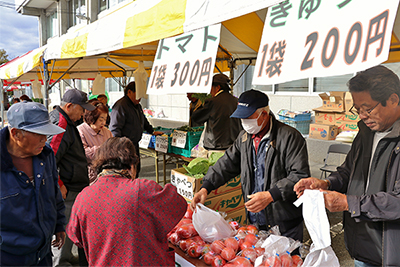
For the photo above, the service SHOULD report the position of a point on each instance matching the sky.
(18, 33)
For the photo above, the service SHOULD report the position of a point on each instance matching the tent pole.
(46, 84)
(2, 104)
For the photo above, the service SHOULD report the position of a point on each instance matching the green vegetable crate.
(192, 139)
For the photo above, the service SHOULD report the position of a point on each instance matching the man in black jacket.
(271, 157)
(70, 158)
(366, 187)
(128, 120)
(221, 130)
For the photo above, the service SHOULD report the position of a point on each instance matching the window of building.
(333, 83)
(106, 4)
(77, 12)
(293, 86)
(51, 25)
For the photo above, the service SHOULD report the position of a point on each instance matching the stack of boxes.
(333, 116)
(227, 198)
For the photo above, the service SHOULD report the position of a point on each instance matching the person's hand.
(335, 201)
(64, 191)
(158, 133)
(59, 241)
(199, 197)
(258, 201)
(309, 183)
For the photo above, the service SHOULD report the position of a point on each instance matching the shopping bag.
(210, 225)
(316, 220)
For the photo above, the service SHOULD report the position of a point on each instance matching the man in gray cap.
(70, 157)
(32, 208)
(221, 130)
(271, 157)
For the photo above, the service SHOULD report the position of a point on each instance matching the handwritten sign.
(304, 39)
(185, 63)
(161, 144)
(179, 138)
(183, 186)
(144, 142)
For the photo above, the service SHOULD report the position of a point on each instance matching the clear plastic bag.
(210, 225)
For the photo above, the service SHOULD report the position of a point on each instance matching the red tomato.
(260, 251)
(189, 213)
(197, 239)
(297, 261)
(218, 261)
(252, 229)
(186, 231)
(209, 257)
(194, 250)
(174, 238)
(241, 262)
(251, 238)
(185, 243)
(232, 243)
(286, 260)
(273, 261)
(217, 246)
(228, 254)
(249, 253)
(245, 245)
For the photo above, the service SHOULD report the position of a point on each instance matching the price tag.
(161, 144)
(144, 142)
(179, 138)
(183, 186)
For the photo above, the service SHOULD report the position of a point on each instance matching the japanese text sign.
(183, 186)
(161, 144)
(144, 142)
(179, 138)
(185, 63)
(306, 38)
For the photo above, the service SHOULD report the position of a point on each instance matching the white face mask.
(251, 126)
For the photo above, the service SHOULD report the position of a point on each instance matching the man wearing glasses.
(367, 186)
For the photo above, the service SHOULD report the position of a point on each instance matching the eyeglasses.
(359, 111)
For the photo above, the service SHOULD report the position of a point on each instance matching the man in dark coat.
(271, 157)
(221, 130)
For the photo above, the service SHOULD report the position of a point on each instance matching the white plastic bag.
(316, 220)
(210, 225)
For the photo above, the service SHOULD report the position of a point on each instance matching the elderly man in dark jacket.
(128, 120)
(221, 130)
(367, 185)
(70, 157)
(271, 157)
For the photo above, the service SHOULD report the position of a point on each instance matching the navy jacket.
(30, 214)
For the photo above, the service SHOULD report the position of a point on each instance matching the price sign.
(161, 144)
(144, 142)
(179, 138)
(183, 186)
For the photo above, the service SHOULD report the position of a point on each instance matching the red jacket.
(123, 222)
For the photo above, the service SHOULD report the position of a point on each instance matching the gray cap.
(76, 96)
(32, 117)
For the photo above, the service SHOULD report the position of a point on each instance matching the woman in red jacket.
(122, 221)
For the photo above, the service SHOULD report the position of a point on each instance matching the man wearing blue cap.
(31, 206)
(271, 157)
(70, 157)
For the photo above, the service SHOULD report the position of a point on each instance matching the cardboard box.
(339, 101)
(228, 202)
(238, 216)
(187, 186)
(346, 117)
(323, 132)
(327, 118)
(346, 126)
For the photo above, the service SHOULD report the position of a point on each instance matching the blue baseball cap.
(32, 117)
(249, 102)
